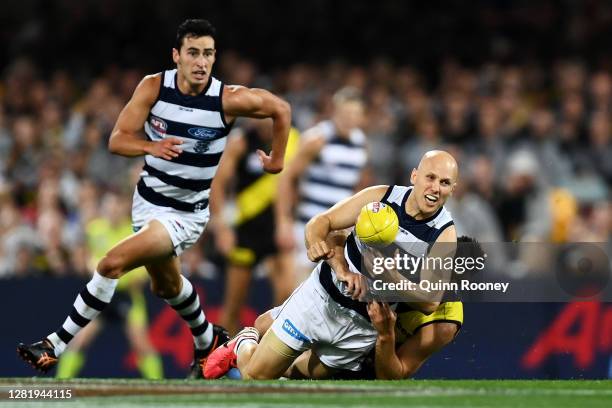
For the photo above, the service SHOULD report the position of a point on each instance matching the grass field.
(228, 393)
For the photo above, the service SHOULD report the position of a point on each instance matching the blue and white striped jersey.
(333, 175)
(184, 182)
(414, 237)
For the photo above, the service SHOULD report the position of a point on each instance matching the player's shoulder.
(395, 194)
(237, 96)
(152, 79)
(149, 87)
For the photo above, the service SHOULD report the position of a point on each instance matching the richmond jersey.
(183, 183)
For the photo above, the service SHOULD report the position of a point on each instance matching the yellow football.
(377, 225)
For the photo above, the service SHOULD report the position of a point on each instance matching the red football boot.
(223, 359)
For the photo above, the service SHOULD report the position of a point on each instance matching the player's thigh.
(148, 245)
(270, 360)
(308, 366)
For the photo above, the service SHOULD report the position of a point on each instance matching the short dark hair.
(193, 28)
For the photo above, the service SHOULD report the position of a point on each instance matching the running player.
(186, 114)
(328, 168)
(323, 314)
(250, 240)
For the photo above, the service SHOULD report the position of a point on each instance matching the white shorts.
(184, 227)
(310, 319)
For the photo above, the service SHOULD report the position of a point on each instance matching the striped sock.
(89, 303)
(187, 305)
(248, 335)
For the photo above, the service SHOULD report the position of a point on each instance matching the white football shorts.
(310, 319)
(184, 228)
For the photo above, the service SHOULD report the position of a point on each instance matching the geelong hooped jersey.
(184, 182)
(415, 237)
(333, 175)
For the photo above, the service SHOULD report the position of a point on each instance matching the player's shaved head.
(434, 181)
(440, 159)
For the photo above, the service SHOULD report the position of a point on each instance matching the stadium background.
(520, 92)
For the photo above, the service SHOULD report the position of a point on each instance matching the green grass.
(292, 394)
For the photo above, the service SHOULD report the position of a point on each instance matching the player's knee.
(263, 323)
(166, 289)
(111, 266)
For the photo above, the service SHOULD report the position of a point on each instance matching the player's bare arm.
(355, 282)
(260, 104)
(126, 138)
(310, 146)
(387, 364)
(234, 150)
(341, 216)
(394, 363)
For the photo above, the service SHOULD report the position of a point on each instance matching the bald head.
(434, 181)
(442, 160)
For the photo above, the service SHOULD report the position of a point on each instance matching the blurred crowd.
(533, 143)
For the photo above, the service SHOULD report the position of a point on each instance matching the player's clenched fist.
(319, 250)
(166, 149)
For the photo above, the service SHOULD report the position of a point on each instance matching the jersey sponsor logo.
(203, 133)
(158, 125)
(293, 332)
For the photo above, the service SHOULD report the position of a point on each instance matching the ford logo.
(203, 133)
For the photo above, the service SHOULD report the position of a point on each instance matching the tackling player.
(324, 315)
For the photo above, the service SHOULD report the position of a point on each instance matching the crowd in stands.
(533, 143)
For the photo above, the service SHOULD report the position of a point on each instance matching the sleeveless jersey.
(333, 175)
(415, 237)
(183, 183)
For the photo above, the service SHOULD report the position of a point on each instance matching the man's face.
(349, 115)
(195, 59)
(434, 181)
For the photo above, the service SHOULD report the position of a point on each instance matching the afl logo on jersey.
(203, 133)
(158, 125)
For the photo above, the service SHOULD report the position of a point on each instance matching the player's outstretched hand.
(382, 317)
(166, 149)
(320, 251)
(268, 163)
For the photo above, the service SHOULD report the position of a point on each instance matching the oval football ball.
(377, 225)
